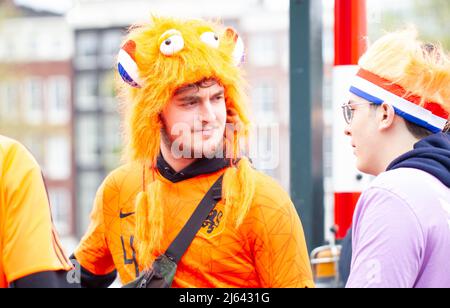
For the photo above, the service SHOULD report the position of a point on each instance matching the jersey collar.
(199, 167)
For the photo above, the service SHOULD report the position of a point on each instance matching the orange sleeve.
(280, 252)
(93, 253)
(30, 244)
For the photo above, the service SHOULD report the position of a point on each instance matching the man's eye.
(218, 98)
(189, 103)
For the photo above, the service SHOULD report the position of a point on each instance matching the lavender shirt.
(401, 232)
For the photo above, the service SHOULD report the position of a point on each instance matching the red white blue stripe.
(377, 91)
(127, 66)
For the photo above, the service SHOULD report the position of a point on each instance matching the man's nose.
(207, 113)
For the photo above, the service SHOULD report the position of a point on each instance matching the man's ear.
(385, 116)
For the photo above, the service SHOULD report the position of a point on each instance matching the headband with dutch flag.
(378, 90)
(127, 66)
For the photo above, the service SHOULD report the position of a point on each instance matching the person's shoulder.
(8, 145)
(397, 196)
(125, 178)
(392, 186)
(129, 169)
(412, 185)
(269, 192)
(272, 211)
(395, 177)
(14, 154)
(119, 189)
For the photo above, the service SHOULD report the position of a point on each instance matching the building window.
(58, 158)
(110, 46)
(9, 101)
(88, 147)
(107, 92)
(87, 45)
(86, 92)
(107, 89)
(88, 183)
(35, 145)
(112, 146)
(264, 102)
(34, 103)
(61, 204)
(263, 50)
(59, 100)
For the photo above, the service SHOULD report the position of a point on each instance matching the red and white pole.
(350, 44)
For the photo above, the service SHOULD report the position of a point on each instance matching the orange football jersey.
(267, 250)
(28, 242)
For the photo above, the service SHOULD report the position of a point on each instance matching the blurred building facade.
(97, 122)
(36, 49)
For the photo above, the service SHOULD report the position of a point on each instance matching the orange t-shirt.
(267, 250)
(28, 242)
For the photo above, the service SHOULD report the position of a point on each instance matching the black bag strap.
(184, 239)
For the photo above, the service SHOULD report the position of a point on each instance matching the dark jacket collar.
(199, 167)
(431, 154)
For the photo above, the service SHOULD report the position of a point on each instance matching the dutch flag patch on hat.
(127, 66)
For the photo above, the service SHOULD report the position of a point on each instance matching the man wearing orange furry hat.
(182, 93)
(398, 123)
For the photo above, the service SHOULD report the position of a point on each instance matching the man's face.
(194, 121)
(364, 135)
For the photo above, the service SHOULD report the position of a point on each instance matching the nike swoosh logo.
(125, 215)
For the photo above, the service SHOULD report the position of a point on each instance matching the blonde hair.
(162, 76)
(422, 69)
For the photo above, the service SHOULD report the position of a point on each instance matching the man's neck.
(397, 148)
(177, 164)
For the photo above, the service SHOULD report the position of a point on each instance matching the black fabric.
(345, 258)
(199, 167)
(184, 239)
(92, 281)
(431, 154)
(47, 280)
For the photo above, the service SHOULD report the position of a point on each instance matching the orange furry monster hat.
(157, 59)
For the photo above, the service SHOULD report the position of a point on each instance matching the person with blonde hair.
(185, 108)
(398, 124)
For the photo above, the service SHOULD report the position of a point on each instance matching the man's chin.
(209, 149)
(208, 153)
(205, 152)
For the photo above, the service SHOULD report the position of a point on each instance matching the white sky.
(375, 7)
(64, 5)
(50, 5)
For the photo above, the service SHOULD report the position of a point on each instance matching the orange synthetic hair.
(422, 69)
(161, 76)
